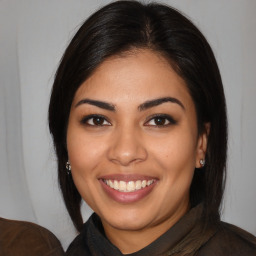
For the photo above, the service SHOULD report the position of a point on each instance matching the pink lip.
(126, 197)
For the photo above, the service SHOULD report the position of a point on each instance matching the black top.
(184, 238)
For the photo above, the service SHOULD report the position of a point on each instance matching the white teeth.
(111, 184)
(144, 183)
(116, 185)
(149, 182)
(138, 184)
(129, 186)
(122, 186)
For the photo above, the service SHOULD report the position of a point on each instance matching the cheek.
(84, 152)
(85, 156)
(176, 153)
(176, 159)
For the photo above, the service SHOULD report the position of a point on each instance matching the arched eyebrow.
(144, 106)
(159, 101)
(97, 103)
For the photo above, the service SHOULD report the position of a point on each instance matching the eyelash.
(85, 120)
(164, 117)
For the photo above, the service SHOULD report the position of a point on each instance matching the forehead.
(134, 77)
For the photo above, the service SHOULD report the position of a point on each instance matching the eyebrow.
(156, 102)
(144, 106)
(97, 103)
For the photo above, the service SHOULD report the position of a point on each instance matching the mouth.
(128, 186)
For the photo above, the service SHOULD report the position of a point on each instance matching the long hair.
(118, 28)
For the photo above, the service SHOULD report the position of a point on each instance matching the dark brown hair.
(126, 25)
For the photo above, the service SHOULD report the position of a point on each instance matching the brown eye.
(161, 120)
(95, 120)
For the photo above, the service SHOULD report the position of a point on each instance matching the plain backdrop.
(33, 36)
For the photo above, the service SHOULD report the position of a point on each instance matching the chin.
(126, 221)
(129, 225)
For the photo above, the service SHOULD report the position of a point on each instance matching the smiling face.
(133, 143)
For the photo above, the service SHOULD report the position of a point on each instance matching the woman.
(138, 119)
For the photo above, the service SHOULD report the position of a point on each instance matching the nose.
(127, 147)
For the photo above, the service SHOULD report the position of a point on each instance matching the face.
(133, 143)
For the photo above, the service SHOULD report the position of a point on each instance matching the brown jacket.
(185, 238)
(20, 238)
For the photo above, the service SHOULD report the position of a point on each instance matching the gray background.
(33, 36)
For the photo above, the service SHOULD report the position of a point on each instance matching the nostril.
(126, 146)
(127, 156)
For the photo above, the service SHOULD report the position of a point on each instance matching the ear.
(202, 145)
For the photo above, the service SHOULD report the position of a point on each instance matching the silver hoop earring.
(202, 162)
(68, 167)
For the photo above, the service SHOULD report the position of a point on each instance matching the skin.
(128, 143)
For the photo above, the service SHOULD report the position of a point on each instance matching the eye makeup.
(95, 120)
(160, 120)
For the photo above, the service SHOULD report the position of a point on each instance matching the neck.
(127, 240)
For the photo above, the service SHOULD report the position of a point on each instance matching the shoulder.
(78, 247)
(89, 241)
(26, 238)
(229, 240)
